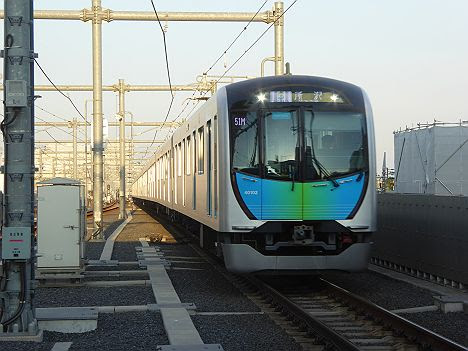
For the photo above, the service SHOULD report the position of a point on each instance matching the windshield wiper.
(325, 173)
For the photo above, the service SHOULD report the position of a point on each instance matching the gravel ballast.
(453, 326)
(93, 249)
(117, 332)
(125, 251)
(384, 291)
(93, 296)
(244, 332)
(210, 291)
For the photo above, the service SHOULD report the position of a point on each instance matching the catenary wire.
(208, 70)
(245, 52)
(168, 73)
(56, 88)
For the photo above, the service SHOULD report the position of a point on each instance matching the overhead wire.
(56, 88)
(54, 115)
(224, 52)
(245, 52)
(168, 73)
(208, 70)
(63, 130)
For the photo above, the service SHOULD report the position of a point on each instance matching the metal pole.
(132, 155)
(262, 65)
(98, 146)
(17, 317)
(86, 152)
(122, 212)
(279, 39)
(75, 148)
(109, 15)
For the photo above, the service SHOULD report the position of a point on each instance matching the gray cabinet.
(61, 224)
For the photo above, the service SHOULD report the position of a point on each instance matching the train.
(275, 174)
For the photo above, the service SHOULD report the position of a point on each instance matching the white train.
(277, 173)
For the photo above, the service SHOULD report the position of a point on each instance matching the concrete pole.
(17, 316)
(279, 39)
(75, 148)
(98, 146)
(122, 212)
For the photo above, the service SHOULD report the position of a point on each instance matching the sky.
(410, 56)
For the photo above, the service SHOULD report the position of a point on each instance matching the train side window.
(179, 160)
(201, 150)
(194, 164)
(208, 168)
(194, 153)
(215, 164)
(187, 156)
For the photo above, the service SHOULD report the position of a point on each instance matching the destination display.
(299, 96)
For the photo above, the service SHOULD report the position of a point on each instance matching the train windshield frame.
(298, 143)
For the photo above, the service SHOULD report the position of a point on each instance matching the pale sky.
(411, 56)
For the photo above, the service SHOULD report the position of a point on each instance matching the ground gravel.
(210, 291)
(124, 251)
(117, 332)
(453, 326)
(111, 227)
(245, 332)
(93, 296)
(93, 250)
(382, 290)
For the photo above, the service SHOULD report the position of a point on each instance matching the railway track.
(322, 316)
(336, 319)
(108, 208)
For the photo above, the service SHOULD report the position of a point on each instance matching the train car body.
(278, 171)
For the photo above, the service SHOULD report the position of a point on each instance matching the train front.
(302, 170)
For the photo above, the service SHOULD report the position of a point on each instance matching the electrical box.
(16, 243)
(16, 93)
(61, 225)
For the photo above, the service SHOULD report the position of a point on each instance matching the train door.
(282, 196)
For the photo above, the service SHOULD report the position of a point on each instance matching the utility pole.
(18, 320)
(279, 38)
(122, 212)
(98, 146)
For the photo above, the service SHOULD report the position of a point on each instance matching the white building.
(432, 159)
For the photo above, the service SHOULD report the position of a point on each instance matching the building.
(432, 159)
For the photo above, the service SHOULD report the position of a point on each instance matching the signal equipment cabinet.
(61, 225)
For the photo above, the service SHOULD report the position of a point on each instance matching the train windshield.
(298, 144)
(334, 143)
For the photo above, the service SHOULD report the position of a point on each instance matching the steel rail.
(421, 335)
(317, 328)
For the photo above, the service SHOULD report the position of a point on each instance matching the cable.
(59, 128)
(206, 71)
(56, 88)
(245, 52)
(224, 52)
(61, 118)
(21, 301)
(236, 38)
(168, 74)
(50, 113)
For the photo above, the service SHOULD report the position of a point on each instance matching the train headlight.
(334, 97)
(261, 97)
